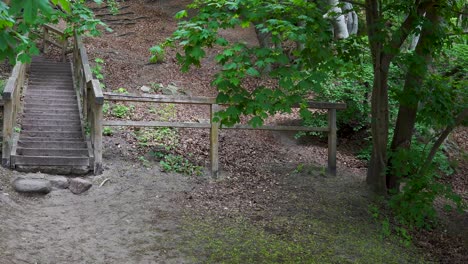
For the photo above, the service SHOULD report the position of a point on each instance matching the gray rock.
(40, 186)
(170, 90)
(145, 89)
(78, 185)
(59, 182)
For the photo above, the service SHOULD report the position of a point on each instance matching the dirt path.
(132, 218)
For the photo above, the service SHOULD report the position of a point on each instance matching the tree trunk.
(379, 127)
(407, 111)
(379, 102)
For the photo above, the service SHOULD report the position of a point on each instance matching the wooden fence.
(214, 127)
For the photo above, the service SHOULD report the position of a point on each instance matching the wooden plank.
(97, 92)
(54, 29)
(9, 89)
(214, 143)
(59, 45)
(45, 39)
(198, 100)
(279, 128)
(332, 142)
(51, 161)
(324, 105)
(160, 98)
(7, 142)
(155, 124)
(97, 138)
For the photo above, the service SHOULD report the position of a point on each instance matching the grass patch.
(297, 239)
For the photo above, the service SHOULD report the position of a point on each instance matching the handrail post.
(7, 142)
(332, 141)
(97, 118)
(214, 143)
(45, 39)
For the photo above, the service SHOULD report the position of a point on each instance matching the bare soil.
(137, 216)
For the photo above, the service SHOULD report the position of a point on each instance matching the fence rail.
(214, 127)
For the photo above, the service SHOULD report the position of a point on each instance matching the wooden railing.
(91, 100)
(11, 106)
(61, 42)
(214, 127)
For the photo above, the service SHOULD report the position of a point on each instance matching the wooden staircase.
(51, 137)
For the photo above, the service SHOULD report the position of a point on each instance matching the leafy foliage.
(19, 19)
(414, 205)
(298, 69)
(179, 164)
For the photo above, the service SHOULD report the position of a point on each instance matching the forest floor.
(273, 202)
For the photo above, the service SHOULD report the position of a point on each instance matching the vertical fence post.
(214, 143)
(96, 112)
(332, 142)
(64, 44)
(7, 132)
(45, 39)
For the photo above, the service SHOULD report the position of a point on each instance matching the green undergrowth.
(297, 239)
(2, 85)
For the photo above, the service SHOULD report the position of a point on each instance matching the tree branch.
(460, 118)
(402, 33)
(361, 4)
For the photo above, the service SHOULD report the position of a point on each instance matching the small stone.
(203, 121)
(78, 185)
(145, 89)
(40, 186)
(59, 182)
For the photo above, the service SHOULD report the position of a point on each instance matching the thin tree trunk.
(460, 118)
(408, 109)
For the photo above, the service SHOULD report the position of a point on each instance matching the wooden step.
(52, 134)
(59, 128)
(79, 152)
(57, 106)
(71, 117)
(57, 139)
(27, 120)
(50, 101)
(49, 160)
(50, 93)
(51, 144)
(50, 110)
(51, 88)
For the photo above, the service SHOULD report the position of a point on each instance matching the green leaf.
(181, 14)
(252, 72)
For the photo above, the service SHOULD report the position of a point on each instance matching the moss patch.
(297, 239)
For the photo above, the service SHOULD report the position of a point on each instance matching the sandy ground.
(132, 218)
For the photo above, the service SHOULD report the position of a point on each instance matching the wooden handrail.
(91, 98)
(63, 39)
(11, 103)
(56, 30)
